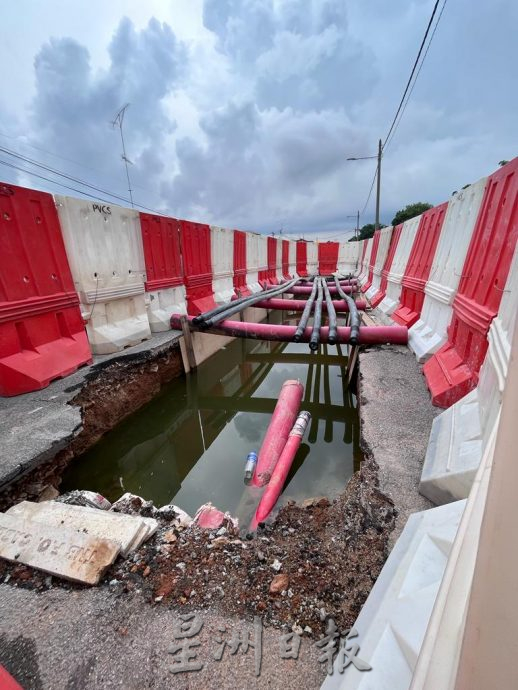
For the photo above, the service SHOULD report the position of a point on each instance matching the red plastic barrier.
(271, 274)
(240, 263)
(453, 371)
(197, 266)
(286, 259)
(419, 266)
(42, 334)
(302, 258)
(161, 240)
(374, 254)
(394, 239)
(327, 257)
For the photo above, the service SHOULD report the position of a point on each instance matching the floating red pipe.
(280, 473)
(299, 304)
(281, 424)
(369, 335)
(306, 290)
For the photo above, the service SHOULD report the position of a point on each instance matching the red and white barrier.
(384, 243)
(428, 334)
(312, 257)
(397, 270)
(348, 257)
(255, 253)
(292, 259)
(104, 248)
(222, 249)
(362, 278)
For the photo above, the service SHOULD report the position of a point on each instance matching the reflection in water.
(189, 445)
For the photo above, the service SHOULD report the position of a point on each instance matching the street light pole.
(378, 186)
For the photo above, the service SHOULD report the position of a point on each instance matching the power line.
(418, 73)
(76, 180)
(413, 71)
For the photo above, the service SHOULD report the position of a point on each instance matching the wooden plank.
(56, 550)
(189, 348)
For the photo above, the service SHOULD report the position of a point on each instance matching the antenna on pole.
(117, 122)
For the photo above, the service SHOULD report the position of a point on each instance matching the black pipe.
(236, 306)
(314, 341)
(354, 316)
(331, 315)
(305, 314)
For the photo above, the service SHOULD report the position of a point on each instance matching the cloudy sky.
(243, 112)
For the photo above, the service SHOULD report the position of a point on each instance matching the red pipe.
(369, 335)
(281, 424)
(299, 304)
(280, 473)
(306, 290)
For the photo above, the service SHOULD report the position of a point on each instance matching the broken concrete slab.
(127, 530)
(59, 551)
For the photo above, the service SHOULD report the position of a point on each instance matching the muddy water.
(189, 445)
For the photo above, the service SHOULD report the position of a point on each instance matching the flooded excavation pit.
(189, 444)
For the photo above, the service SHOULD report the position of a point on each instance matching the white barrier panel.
(365, 263)
(104, 247)
(292, 270)
(312, 258)
(397, 270)
(393, 621)
(383, 247)
(252, 261)
(222, 250)
(161, 304)
(348, 257)
(428, 334)
(460, 434)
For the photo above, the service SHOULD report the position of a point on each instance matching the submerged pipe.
(281, 424)
(281, 471)
(355, 318)
(306, 313)
(206, 321)
(341, 306)
(331, 312)
(314, 340)
(369, 335)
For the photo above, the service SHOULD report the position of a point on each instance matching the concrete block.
(59, 550)
(393, 621)
(127, 530)
(161, 304)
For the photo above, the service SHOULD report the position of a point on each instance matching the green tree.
(502, 163)
(365, 232)
(410, 211)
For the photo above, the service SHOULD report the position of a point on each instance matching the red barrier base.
(405, 316)
(378, 297)
(41, 349)
(448, 377)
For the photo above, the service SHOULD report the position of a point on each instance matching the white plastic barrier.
(348, 257)
(104, 248)
(393, 621)
(383, 247)
(222, 250)
(428, 334)
(292, 269)
(460, 434)
(397, 270)
(161, 304)
(278, 263)
(312, 258)
(365, 263)
(252, 261)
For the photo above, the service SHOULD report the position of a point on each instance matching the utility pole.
(117, 122)
(378, 186)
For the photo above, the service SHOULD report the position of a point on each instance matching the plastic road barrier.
(163, 260)
(222, 250)
(42, 335)
(327, 257)
(302, 258)
(419, 266)
(197, 266)
(104, 248)
(292, 260)
(312, 253)
(399, 263)
(372, 260)
(453, 370)
(365, 261)
(428, 334)
(239, 254)
(252, 261)
(381, 255)
(348, 257)
(387, 265)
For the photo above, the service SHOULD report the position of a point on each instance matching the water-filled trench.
(189, 444)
